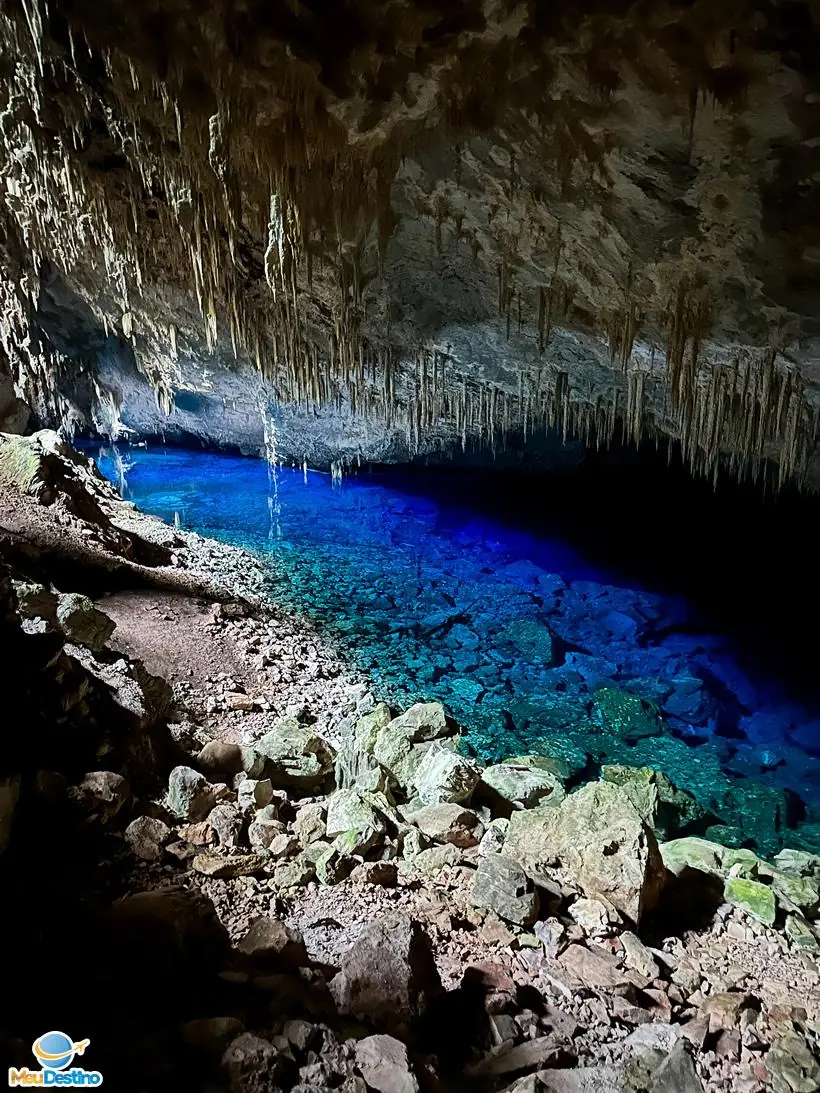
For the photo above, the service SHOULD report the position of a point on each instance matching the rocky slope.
(391, 227)
(292, 886)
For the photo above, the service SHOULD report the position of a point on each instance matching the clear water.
(436, 600)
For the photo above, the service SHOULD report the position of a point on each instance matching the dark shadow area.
(742, 555)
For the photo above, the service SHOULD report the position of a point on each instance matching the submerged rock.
(624, 714)
(599, 840)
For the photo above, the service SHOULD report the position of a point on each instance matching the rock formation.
(372, 230)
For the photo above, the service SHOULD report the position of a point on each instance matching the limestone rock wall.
(417, 223)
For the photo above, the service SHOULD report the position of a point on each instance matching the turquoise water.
(515, 630)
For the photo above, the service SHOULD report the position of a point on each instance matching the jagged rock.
(533, 639)
(801, 935)
(543, 1051)
(751, 896)
(388, 974)
(593, 969)
(147, 836)
(598, 838)
(199, 834)
(792, 1065)
(638, 957)
(292, 874)
(310, 823)
(254, 793)
(429, 863)
(227, 822)
(102, 792)
(591, 914)
(252, 1065)
(693, 853)
(269, 941)
(82, 623)
(802, 892)
(190, 796)
(296, 756)
(492, 841)
(262, 835)
(230, 865)
(334, 865)
(443, 776)
(348, 814)
(624, 714)
(35, 600)
(167, 932)
(383, 1063)
(665, 808)
(370, 726)
(448, 823)
(798, 862)
(523, 783)
(501, 885)
(423, 722)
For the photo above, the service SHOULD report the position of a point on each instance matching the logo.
(55, 1052)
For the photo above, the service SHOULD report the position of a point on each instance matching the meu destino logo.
(55, 1052)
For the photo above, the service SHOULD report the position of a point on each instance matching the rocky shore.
(248, 874)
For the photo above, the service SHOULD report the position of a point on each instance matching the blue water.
(513, 630)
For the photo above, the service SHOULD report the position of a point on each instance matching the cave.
(408, 459)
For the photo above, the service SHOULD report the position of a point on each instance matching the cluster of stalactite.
(278, 240)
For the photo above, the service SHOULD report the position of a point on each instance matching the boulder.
(756, 899)
(623, 714)
(533, 640)
(228, 865)
(502, 886)
(82, 623)
(599, 840)
(102, 792)
(296, 757)
(423, 722)
(252, 1065)
(190, 795)
(448, 823)
(147, 837)
(523, 783)
(444, 776)
(268, 941)
(310, 822)
(370, 725)
(334, 865)
(693, 853)
(349, 814)
(665, 808)
(227, 822)
(253, 793)
(220, 760)
(389, 974)
(382, 1062)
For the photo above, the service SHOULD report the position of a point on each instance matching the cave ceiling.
(465, 218)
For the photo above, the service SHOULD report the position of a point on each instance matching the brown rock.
(201, 834)
(593, 969)
(509, 1058)
(269, 941)
(230, 865)
(388, 974)
(218, 758)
